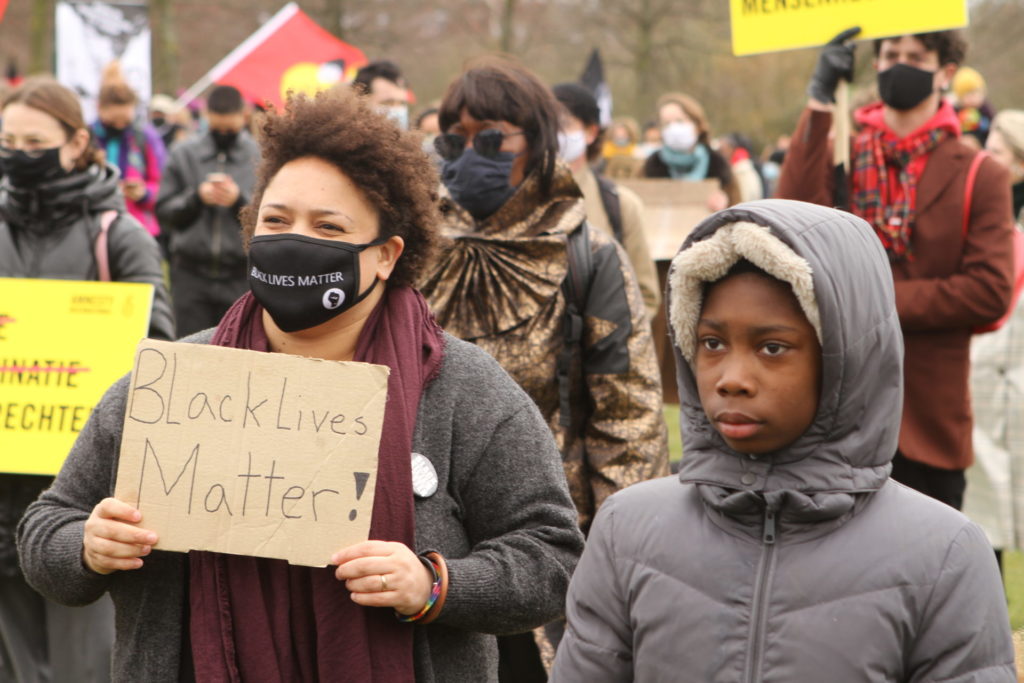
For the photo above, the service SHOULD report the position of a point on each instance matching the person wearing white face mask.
(685, 153)
(382, 82)
(615, 210)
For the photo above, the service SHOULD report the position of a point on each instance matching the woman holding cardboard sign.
(473, 530)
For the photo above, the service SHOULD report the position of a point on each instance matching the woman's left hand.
(384, 574)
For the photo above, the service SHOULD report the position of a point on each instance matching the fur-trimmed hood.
(841, 277)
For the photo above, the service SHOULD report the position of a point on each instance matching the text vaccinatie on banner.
(62, 344)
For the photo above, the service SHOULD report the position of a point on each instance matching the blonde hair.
(114, 89)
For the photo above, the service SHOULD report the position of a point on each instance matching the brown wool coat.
(952, 285)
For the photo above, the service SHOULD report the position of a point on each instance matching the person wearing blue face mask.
(949, 242)
(686, 154)
(554, 300)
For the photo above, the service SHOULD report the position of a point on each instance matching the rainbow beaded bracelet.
(435, 593)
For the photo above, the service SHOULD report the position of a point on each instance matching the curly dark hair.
(950, 45)
(387, 164)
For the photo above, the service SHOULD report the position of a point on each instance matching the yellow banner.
(774, 25)
(62, 344)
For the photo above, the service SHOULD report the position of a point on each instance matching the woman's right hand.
(112, 540)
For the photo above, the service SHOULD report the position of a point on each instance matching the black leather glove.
(834, 62)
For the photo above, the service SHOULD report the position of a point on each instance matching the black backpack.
(612, 205)
(576, 287)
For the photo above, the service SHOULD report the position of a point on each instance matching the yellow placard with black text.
(62, 344)
(774, 25)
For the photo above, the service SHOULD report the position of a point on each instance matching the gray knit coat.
(501, 516)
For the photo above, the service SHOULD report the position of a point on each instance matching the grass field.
(1013, 562)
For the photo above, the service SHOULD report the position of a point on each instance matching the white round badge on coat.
(424, 476)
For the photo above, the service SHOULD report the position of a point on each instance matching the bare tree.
(41, 31)
(164, 46)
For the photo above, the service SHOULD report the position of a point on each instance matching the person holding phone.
(131, 145)
(207, 180)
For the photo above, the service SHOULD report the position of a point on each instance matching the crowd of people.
(492, 256)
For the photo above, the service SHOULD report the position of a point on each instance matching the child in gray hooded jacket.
(783, 552)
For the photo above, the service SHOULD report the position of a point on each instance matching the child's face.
(758, 363)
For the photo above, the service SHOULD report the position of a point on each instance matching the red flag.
(3, 8)
(289, 52)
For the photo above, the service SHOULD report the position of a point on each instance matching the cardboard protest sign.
(774, 25)
(672, 208)
(251, 453)
(62, 344)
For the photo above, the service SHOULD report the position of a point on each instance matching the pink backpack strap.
(972, 175)
(107, 219)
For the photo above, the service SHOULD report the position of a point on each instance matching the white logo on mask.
(333, 298)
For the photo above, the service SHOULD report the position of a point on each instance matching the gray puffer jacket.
(50, 232)
(805, 564)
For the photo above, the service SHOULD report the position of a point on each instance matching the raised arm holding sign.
(951, 255)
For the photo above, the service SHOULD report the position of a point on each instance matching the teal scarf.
(691, 165)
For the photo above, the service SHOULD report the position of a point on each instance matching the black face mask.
(903, 87)
(114, 131)
(305, 281)
(224, 141)
(478, 184)
(24, 170)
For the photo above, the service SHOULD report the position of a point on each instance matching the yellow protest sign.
(250, 453)
(774, 25)
(62, 344)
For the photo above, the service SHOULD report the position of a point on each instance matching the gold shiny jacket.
(498, 283)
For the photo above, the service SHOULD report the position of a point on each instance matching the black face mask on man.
(903, 87)
(224, 140)
(305, 281)
(479, 184)
(28, 169)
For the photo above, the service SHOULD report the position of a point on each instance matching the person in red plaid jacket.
(908, 179)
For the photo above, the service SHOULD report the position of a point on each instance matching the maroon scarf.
(260, 619)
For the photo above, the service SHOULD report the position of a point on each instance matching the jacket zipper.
(759, 613)
(215, 239)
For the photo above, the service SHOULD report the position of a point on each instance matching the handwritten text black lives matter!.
(156, 398)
